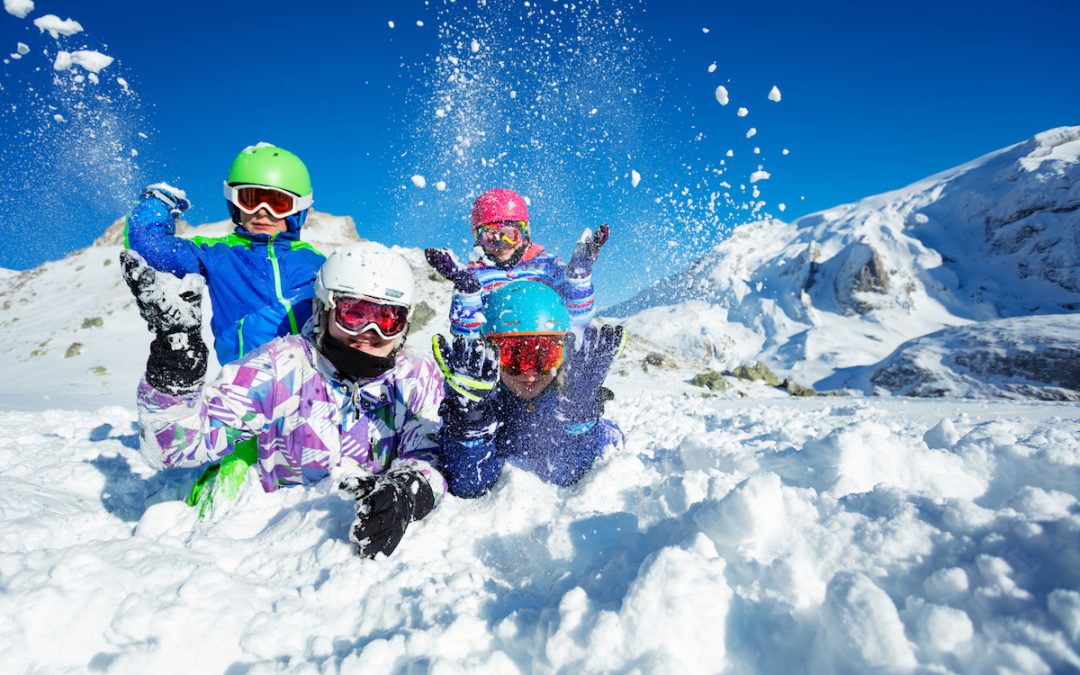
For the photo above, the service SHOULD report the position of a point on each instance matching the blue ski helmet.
(525, 308)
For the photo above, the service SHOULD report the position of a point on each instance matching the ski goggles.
(528, 353)
(280, 203)
(511, 232)
(356, 315)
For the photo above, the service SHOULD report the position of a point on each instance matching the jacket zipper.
(277, 284)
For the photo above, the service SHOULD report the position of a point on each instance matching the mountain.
(73, 338)
(994, 238)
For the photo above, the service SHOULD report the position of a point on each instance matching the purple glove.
(587, 251)
(440, 259)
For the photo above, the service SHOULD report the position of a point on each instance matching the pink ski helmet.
(498, 204)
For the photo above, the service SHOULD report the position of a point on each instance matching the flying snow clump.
(784, 151)
(712, 67)
(88, 59)
(635, 178)
(390, 23)
(440, 186)
(19, 8)
(22, 49)
(721, 95)
(752, 132)
(419, 181)
(782, 206)
(742, 112)
(759, 175)
(729, 153)
(475, 46)
(56, 27)
(774, 94)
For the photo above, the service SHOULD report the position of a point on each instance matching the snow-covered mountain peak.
(996, 237)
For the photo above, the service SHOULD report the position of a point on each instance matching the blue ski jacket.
(530, 435)
(261, 286)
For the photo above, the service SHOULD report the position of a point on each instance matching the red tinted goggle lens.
(356, 314)
(541, 353)
(279, 202)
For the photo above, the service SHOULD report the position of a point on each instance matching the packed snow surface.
(754, 535)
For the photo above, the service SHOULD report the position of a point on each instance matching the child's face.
(262, 222)
(527, 385)
(502, 240)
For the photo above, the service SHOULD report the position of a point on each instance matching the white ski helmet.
(367, 270)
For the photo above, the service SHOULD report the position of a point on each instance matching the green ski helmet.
(269, 165)
(525, 308)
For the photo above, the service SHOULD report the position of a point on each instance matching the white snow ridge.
(737, 528)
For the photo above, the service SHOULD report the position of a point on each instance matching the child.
(342, 393)
(500, 225)
(523, 395)
(259, 277)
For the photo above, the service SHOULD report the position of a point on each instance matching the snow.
(712, 67)
(56, 27)
(22, 49)
(782, 207)
(474, 46)
(635, 178)
(390, 24)
(742, 112)
(19, 8)
(729, 153)
(92, 61)
(721, 94)
(440, 185)
(419, 181)
(774, 94)
(748, 532)
(759, 175)
(785, 151)
(751, 132)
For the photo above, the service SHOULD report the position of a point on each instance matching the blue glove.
(173, 198)
(587, 251)
(579, 398)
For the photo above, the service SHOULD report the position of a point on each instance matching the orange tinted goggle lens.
(355, 314)
(541, 353)
(279, 202)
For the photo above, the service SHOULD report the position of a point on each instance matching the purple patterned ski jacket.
(305, 419)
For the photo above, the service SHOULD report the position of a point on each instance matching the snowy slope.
(997, 237)
(1023, 357)
(73, 338)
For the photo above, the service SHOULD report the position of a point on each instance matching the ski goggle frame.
(356, 315)
(511, 232)
(526, 353)
(280, 203)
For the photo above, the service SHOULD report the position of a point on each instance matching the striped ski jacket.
(467, 309)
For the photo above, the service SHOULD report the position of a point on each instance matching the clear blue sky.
(875, 96)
